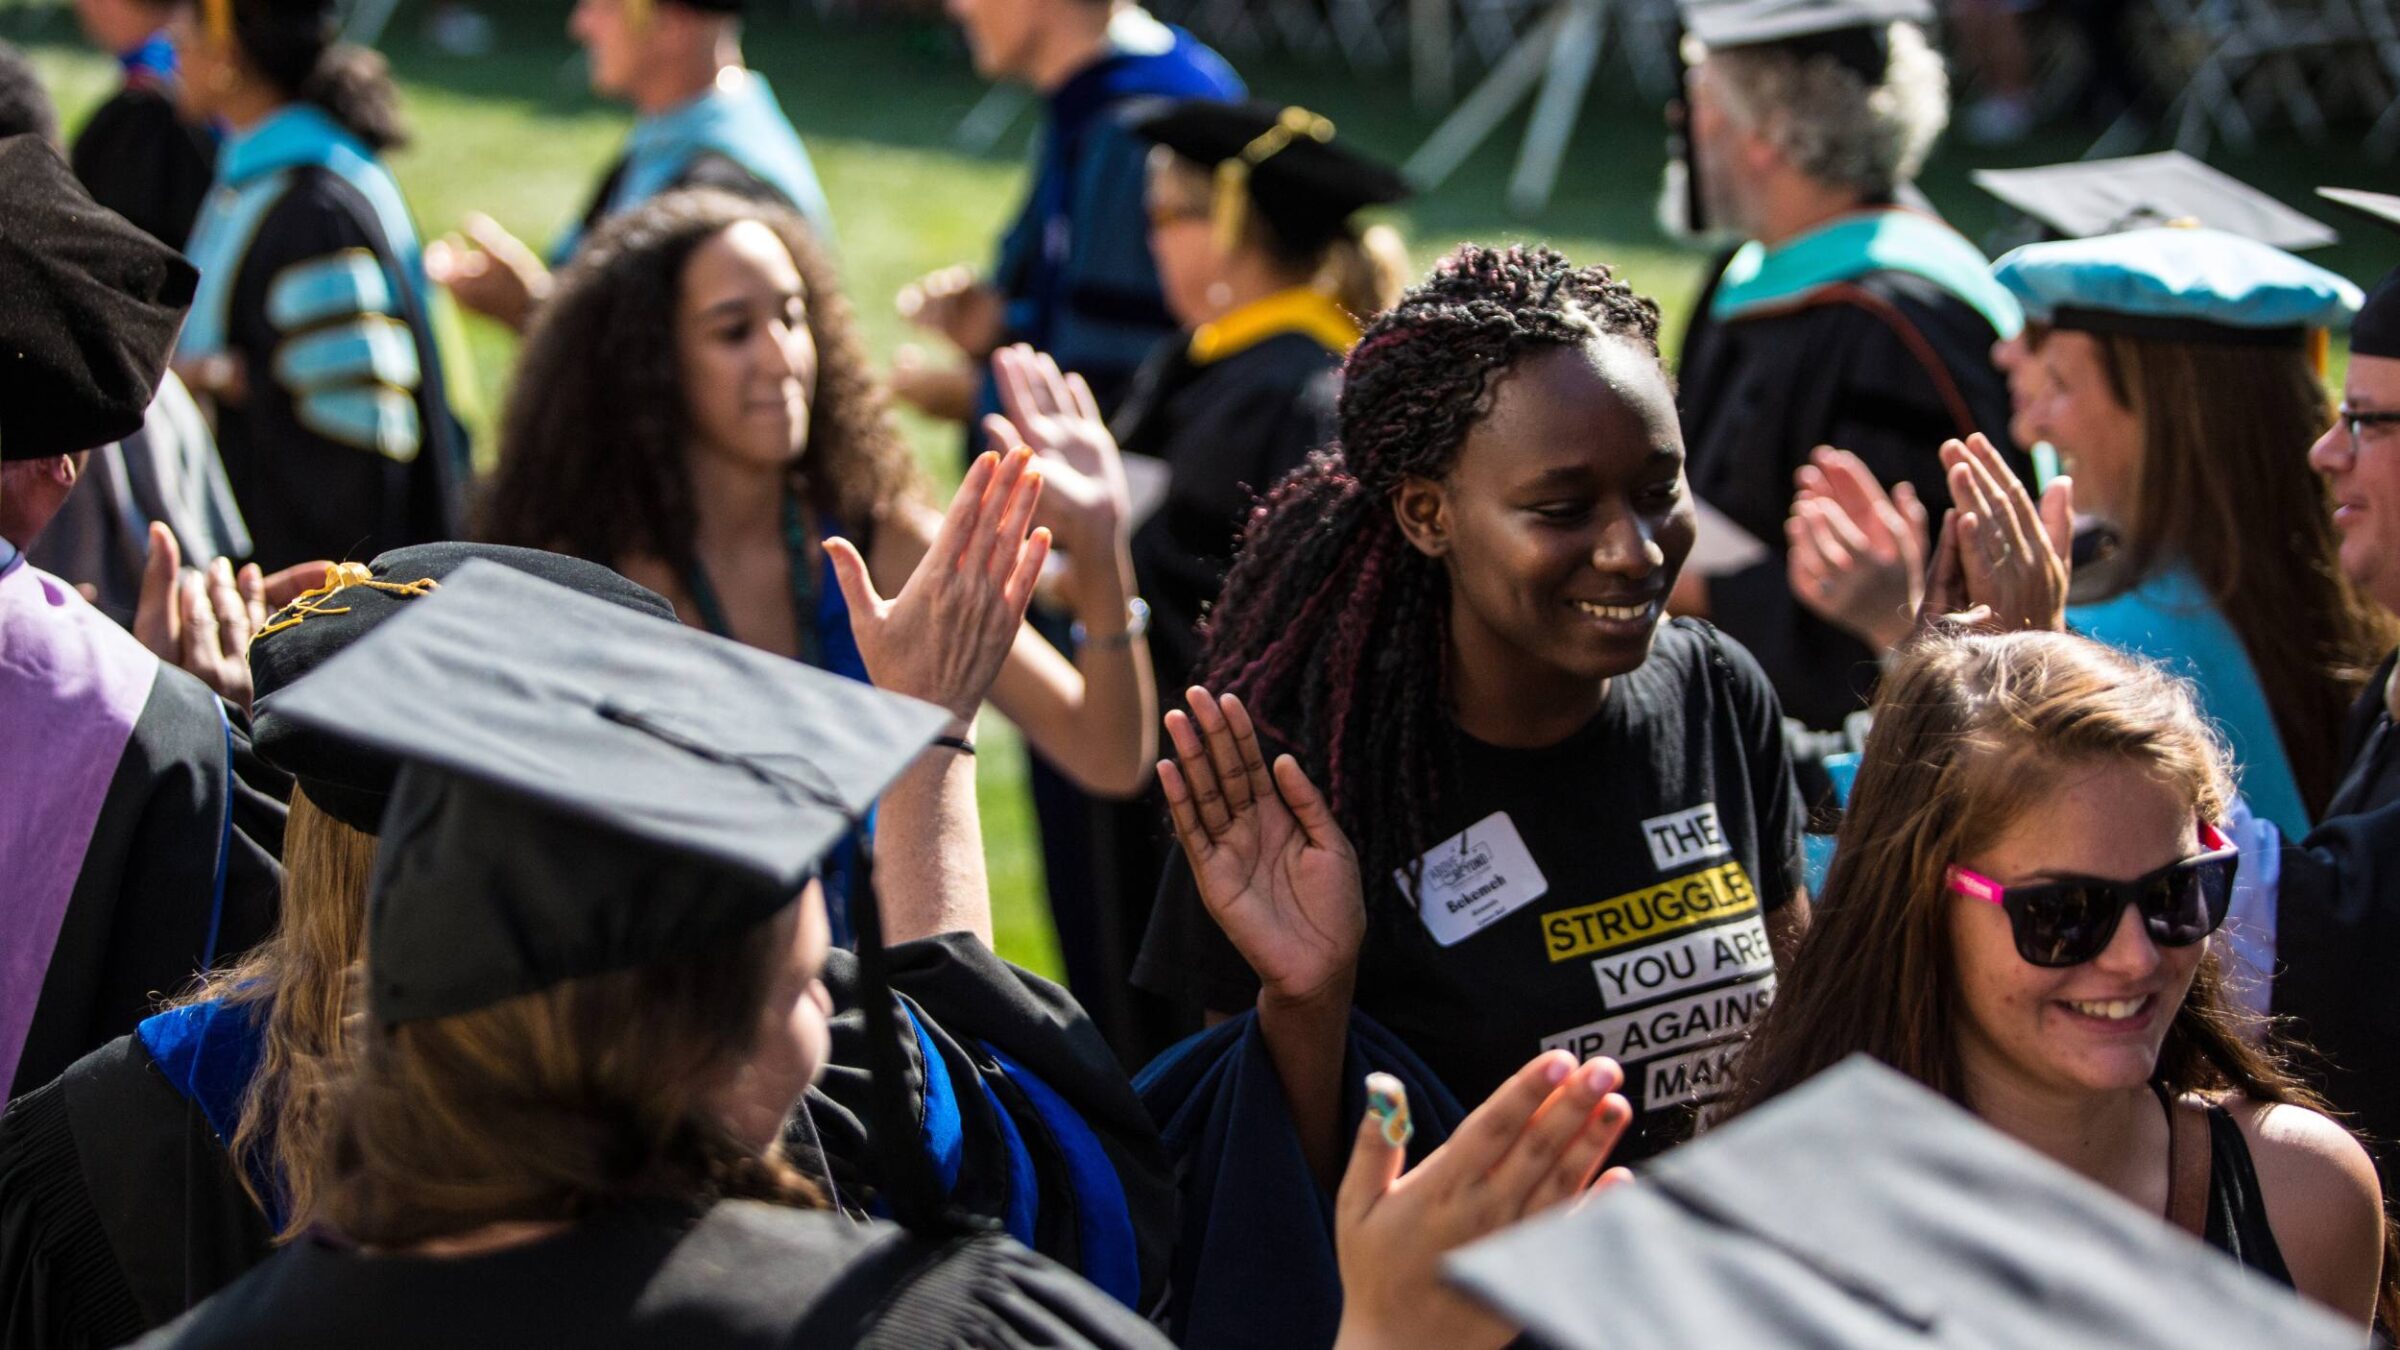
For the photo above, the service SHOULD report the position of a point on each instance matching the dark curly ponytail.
(1332, 627)
(302, 56)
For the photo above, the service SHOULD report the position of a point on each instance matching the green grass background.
(517, 135)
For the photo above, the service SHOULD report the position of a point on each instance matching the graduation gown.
(1872, 334)
(140, 857)
(2337, 935)
(1074, 267)
(742, 1274)
(139, 158)
(734, 137)
(310, 274)
(120, 1208)
(1254, 1257)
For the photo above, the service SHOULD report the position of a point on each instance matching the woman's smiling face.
(1564, 519)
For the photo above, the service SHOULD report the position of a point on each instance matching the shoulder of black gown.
(147, 909)
(2358, 726)
(140, 159)
(1254, 1258)
(2337, 935)
(118, 1208)
(643, 1281)
(1022, 1110)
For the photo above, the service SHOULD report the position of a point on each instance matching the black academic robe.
(140, 159)
(1887, 367)
(119, 1207)
(2337, 936)
(741, 1275)
(1228, 431)
(138, 922)
(312, 486)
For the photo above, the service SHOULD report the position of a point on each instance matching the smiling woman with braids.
(1577, 826)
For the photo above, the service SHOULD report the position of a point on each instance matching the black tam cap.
(89, 309)
(1854, 32)
(583, 788)
(1305, 183)
(2376, 330)
(1863, 1210)
(346, 779)
(2105, 196)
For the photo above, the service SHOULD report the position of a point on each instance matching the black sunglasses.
(2066, 923)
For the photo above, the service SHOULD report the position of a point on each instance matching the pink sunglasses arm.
(1975, 885)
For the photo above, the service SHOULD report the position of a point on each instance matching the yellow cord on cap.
(637, 14)
(219, 17)
(1232, 204)
(338, 577)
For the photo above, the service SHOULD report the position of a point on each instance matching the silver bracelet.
(1137, 626)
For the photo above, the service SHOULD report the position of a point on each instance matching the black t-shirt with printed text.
(1604, 895)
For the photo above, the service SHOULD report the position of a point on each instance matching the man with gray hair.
(1841, 317)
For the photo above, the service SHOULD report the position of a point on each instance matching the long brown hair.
(298, 983)
(2223, 487)
(560, 1104)
(1969, 730)
(592, 441)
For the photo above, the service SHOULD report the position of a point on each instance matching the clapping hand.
(203, 620)
(944, 636)
(1088, 502)
(954, 303)
(1533, 1145)
(1857, 555)
(1271, 864)
(2001, 563)
(489, 271)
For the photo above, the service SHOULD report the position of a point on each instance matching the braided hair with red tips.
(1332, 627)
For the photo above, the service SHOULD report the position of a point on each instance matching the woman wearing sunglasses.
(2018, 916)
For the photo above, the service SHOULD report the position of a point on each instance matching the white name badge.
(1474, 879)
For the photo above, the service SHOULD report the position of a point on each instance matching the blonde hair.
(299, 981)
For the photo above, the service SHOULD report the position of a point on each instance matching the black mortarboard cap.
(2104, 196)
(583, 788)
(348, 780)
(2376, 330)
(89, 309)
(1862, 1210)
(1305, 183)
(1853, 32)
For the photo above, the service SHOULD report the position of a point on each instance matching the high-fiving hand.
(1271, 864)
(945, 635)
(1088, 502)
(2002, 563)
(1534, 1144)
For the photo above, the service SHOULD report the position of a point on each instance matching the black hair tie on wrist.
(959, 743)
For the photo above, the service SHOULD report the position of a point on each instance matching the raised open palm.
(1271, 864)
(1089, 499)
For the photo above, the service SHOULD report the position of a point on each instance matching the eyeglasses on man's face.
(2358, 425)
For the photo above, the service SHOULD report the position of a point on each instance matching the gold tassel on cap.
(218, 15)
(1231, 205)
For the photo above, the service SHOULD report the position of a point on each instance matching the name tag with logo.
(1474, 879)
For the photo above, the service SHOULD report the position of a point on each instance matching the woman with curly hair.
(1577, 826)
(2018, 917)
(693, 408)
